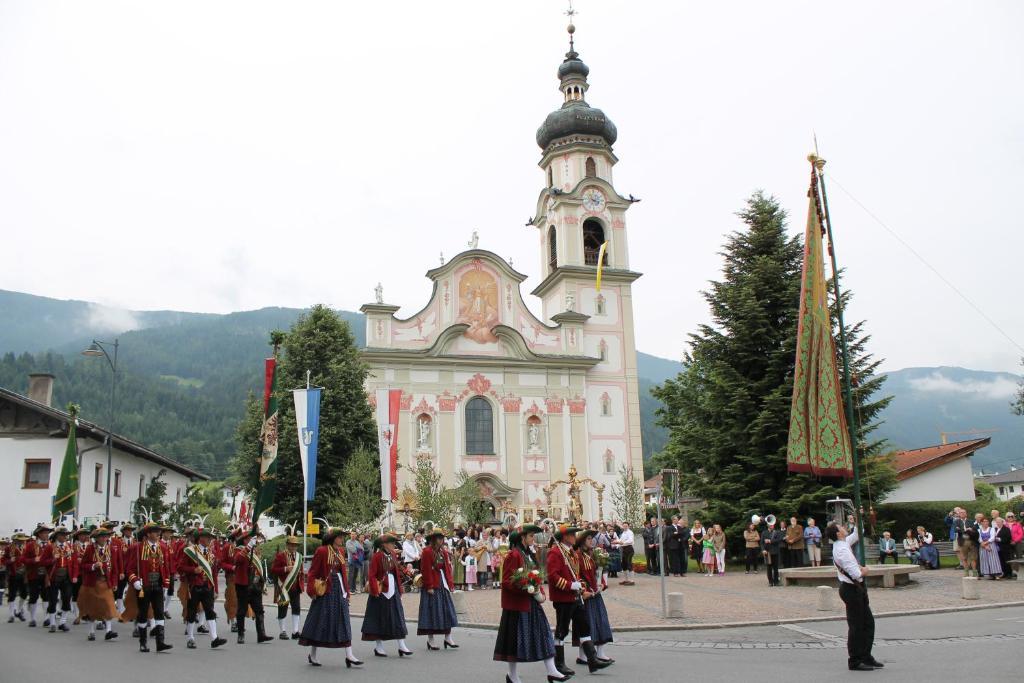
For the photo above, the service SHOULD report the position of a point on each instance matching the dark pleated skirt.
(327, 622)
(597, 615)
(385, 618)
(524, 636)
(437, 613)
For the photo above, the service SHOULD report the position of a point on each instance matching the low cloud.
(100, 318)
(995, 388)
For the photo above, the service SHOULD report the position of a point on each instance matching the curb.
(766, 622)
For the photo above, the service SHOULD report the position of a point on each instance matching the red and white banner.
(388, 403)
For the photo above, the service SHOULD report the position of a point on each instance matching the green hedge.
(276, 545)
(898, 517)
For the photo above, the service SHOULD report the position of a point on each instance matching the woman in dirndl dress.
(327, 620)
(524, 634)
(385, 618)
(987, 553)
(593, 602)
(437, 611)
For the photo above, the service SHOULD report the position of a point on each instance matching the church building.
(513, 400)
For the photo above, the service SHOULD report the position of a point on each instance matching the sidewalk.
(739, 598)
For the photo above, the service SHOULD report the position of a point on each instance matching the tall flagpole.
(819, 166)
(305, 496)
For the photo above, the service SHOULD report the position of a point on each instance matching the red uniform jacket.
(324, 564)
(243, 566)
(279, 569)
(62, 557)
(119, 556)
(32, 559)
(588, 572)
(561, 575)
(98, 563)
(192, 574)
(512, 596)
(138, 569)
(170, 555)
(377, 577)
(431, 568)
(15, 558)
(227, 561)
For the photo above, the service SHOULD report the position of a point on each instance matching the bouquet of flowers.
(529, 581)
(601, 557)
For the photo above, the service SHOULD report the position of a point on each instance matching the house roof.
(94, 431)
(920, 460)
(1007, 478)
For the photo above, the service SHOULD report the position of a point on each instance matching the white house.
(936, 473)
(1008, 485)
(33, 439)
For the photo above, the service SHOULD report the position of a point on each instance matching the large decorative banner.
(819, 442)
(388, 404)
(268, 442)
(307, 419)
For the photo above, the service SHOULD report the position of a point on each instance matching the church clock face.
(593, 200)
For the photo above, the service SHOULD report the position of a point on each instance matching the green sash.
(192, 553)
(285, 586)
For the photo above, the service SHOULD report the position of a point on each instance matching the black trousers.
(573, 613)
(170, 587)
(119, 590)
(36, 589)
(652, 561)
(771, 566)
(860, 622)
(672, 558)
(152, 596)
(752, 558)
(200, 596)
(627, 558)
(248, 597)
(294, 601)
(60, 589)
(796, 557)
(16, 587)
(882, 557)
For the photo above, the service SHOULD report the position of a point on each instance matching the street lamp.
(97, 350)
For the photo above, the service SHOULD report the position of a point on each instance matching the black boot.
(593, 663)
(141, 629)
(158, 633)
(261, 632)
(240, 628)
(560, 661)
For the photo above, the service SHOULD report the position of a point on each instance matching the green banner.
(65, 500)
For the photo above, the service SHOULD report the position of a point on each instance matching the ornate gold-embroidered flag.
(819, 442)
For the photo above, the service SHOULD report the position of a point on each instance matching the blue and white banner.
(307, 418)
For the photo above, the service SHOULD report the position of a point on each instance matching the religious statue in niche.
(423, 434)
(533, 436)
(478, 305)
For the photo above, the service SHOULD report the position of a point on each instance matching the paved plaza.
(739, 597)
(925, 647)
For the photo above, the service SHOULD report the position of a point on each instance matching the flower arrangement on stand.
(601, 559)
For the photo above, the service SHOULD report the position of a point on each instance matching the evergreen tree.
(728, 411)
(152, 502)
(467, 501)
(434, 500)
(322, 343)
(358, 503)
(628, 497)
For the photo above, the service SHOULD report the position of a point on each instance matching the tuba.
(769, 519)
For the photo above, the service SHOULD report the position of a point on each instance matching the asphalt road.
(976, 645)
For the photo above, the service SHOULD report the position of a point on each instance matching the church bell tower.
(578, 210)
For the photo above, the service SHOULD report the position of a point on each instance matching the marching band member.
(597, 613)
(385, 618)
(289, 577)
(35, 570)
(567, 595)
(5, 543)
(228, 547)
(524, 634)
(98, 572)
(437, 611)
(119, 546)
(198, 568)
(170, 544)
(80, 540)
(250, 582)
(59, 556)
(147, 571)
(327, 620)
(16, 577)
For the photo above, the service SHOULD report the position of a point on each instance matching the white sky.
(233, 155)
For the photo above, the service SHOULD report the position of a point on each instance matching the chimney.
(40, 388)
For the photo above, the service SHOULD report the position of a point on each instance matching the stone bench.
(1018, 566)
(884, 575)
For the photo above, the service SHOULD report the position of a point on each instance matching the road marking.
(818, 635)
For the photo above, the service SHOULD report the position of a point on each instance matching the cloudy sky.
(217, 156)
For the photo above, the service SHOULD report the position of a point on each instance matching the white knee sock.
(11, 608)
(402, 645)
(448, 639)
(312, 653)
(549, 663)
(63, 617)
(32, 611)
(150, 624)
(280, 622)
(600, 652)
(581, 654)
(74, 610)
(378, 646)
(212, 625)
(349, 654)
(119, 604)
(295, 623)
(159, 622)
(92, 628)
(512, 675)
(108, 626)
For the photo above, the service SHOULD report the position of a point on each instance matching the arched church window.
(591, 167)
(552, 248)
(479, 427)
(593, 238)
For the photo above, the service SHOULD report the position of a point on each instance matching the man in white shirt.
(854, 594)
(625, 543)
